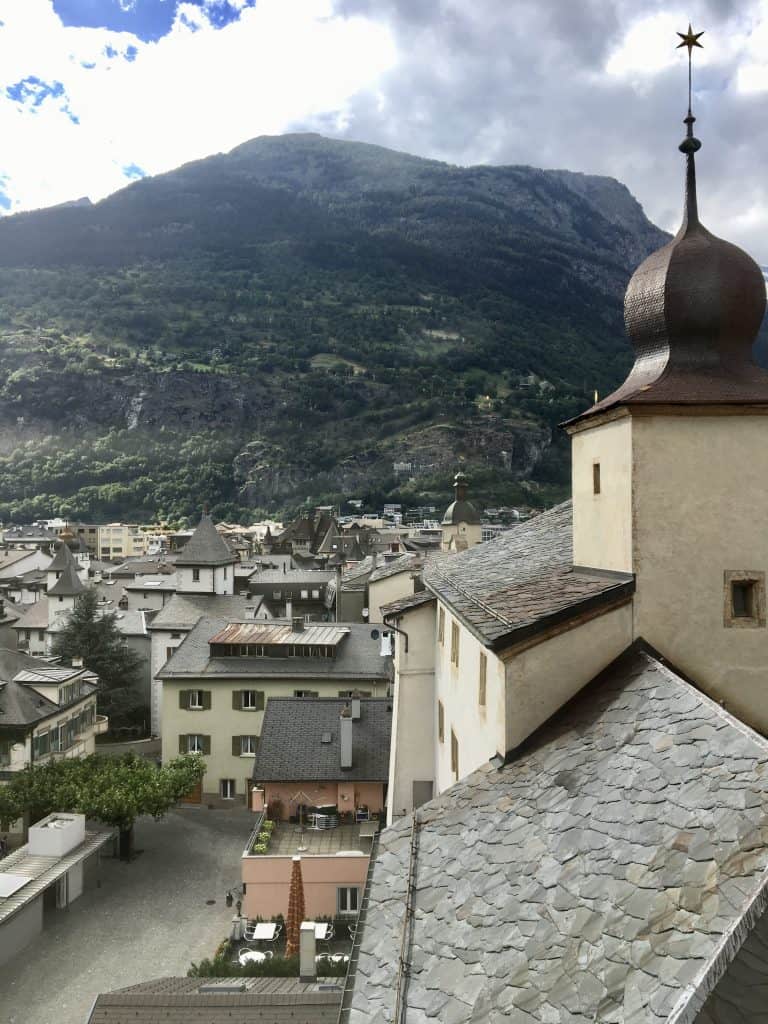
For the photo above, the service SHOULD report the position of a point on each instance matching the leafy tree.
(92, 634)
(114, 790)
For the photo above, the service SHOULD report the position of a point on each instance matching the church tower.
(670, 471)
(461, 522)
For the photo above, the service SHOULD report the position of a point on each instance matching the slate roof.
(206, 546)
(358, 658)
(34, 616)
(312, 577)
(406, 603)
(290, 748)
(598, 876)
(20, 703)
(154, 581)
(510, 588)
(404, 563)
(181, 1001)
(356, 577)
(9, 558)
(184, 610)
(69, 583)
(61, 559)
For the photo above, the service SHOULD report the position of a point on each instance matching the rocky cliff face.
(322, 309)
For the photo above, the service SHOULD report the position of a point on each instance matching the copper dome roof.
(692, 310)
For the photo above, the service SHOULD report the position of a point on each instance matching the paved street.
(147, 919)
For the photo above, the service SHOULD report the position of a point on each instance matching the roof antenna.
(690, 143)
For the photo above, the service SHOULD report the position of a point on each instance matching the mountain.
(290, 320)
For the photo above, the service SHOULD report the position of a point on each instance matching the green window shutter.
(237, 700)
(184, 699)
(206, 744)
(259, 700)
(182, 744)
(207, 700)
(235, 746)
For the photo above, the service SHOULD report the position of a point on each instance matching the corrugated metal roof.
(44, 870)
(258, 633)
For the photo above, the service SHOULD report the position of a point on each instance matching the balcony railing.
(101, 725)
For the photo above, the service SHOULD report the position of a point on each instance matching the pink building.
(320, 775)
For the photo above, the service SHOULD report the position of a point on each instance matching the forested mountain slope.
(287, 321)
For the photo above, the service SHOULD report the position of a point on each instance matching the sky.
(96, 93)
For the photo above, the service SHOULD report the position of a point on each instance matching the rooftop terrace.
(288, 839)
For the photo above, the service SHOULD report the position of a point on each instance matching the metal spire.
(690, 143)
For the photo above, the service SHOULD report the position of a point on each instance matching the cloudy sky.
(94, 93)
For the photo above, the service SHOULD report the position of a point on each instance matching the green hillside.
(288, 321)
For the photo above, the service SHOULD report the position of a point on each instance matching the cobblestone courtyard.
(147, 919)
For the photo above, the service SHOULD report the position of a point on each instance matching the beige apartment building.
(217, 683)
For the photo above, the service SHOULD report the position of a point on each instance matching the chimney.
(297, 624)
(355, 708)
(289, 609)
(345, 737)
(77, 663)
(307, 951)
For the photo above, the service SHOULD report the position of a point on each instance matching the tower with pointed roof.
(461, 523)
(206, 565)
(669, 471)
(64, 585)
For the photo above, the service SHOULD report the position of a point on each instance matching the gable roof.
(291, 747)
(523, 582)
(33, 616)
(609, 872)
(20, 703)
(197, 1001)
(184, 610)
(206, 547)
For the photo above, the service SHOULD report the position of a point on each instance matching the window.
(315, 595)
(175, 636)
(348, 899)
(196, 575)
(41, 635)
(440, 721)
(168, 652)
(455, 644)
(304, 595)
(483, 679)
(441, 625)
(306, 693)
(454, 754)
(248, 745)
(194, 744)
(227, 789)
(225, 572)
(354, 693)
(595, 477)
(195, 699)
(248, 700)
(744, 599)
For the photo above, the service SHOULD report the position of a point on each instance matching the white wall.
(479, 730)
(414, 722)
(161, 640)
(217, 580)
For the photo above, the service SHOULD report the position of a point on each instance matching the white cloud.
(196, 91)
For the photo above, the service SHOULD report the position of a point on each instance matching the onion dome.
(460, 510)
(692, 310)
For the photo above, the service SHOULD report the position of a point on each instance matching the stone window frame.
(757, 619)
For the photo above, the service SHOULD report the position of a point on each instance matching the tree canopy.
(114, 790)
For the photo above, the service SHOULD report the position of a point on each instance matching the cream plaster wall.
(699, 510)
(392, 588)
(602, 523)
(222, 721)
(542, 678)
(479, 730)
(160, 641)
(414, 721)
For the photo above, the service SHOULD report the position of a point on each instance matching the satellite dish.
(374, 634)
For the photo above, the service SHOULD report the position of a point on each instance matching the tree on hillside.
(115, 790)
(92, 634)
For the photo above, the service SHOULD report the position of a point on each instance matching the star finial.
(690, 39)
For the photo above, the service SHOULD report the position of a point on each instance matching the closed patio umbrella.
(296, 909)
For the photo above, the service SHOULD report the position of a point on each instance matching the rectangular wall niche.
(744, 599)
